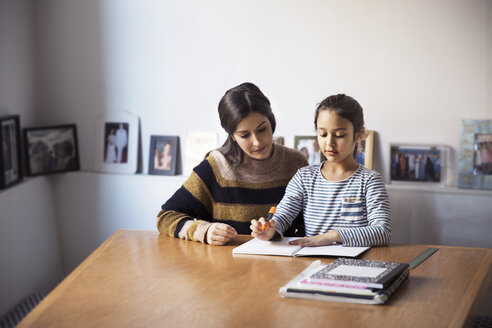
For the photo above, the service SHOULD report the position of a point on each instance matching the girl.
(237, 182)
(342, 201)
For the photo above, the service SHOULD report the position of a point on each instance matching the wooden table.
(143, 279)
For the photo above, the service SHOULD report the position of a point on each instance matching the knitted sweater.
(219, 192)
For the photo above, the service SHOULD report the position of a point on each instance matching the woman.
(237, 182)
(111, 148)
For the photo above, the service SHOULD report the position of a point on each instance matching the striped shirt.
(357, 207)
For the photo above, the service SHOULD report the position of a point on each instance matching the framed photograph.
(278, 140)
(198, 144)
(417, 163)
(364, 156)
(51, 149)
(10, 156)
(308, 145)
(163, 155)
(475, 156)
(117, 143)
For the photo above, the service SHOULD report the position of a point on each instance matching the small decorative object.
(475, 156)
(278, 140)
(51, 149)
(364, 156)
(198, 144)
(417, 163)
(10, 155)
(117, 142)
(163, 155)
(308, 146)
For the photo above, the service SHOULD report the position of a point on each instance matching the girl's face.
(336, 137)
(254, 136)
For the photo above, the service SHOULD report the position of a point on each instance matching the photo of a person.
(63, 158)
(163, 156)
(6, 147)
(315, 156)
(360, 157)
(482, 154)
(305, 152)
(278, 140)
(420, 164)
(309, 147)
(111, 148)
(52, 150)
(9, 152)
(121, 142)
(116, 142)
(39, 157)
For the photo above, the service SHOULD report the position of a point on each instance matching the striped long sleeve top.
(219, 192)
(357, 207)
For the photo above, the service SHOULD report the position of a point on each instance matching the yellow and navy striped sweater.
(219, 192)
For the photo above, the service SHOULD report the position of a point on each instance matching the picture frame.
(413, 163)
(163, 155)
(475, 155)
(308, 146)
(365, 151)
(10, 154)
(278, 140)
(198, 144)
(51, 149)
(116, 149)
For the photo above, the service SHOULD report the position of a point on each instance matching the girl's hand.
(256, 229)
(323, 239)
(220, 233)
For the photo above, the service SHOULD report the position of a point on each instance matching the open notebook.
(282, 248)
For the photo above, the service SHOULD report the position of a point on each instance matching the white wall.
(417, 67)
(16, 61)
(93, 206)
(453, 217)
(29, 245)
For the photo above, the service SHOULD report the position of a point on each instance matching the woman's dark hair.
(235, 105)
(346, 107)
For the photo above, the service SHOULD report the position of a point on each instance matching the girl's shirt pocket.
(352, 209)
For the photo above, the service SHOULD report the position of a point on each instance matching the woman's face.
(254, 136)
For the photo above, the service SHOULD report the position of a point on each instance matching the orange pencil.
(270, 215)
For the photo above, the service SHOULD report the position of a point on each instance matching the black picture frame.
(10, 155)
(51, 149)
(163, 155)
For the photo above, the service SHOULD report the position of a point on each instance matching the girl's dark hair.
(346, 107)
(235, 105)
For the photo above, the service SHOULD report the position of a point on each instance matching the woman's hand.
(323, 239)
(256, 229)
(220, 233)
